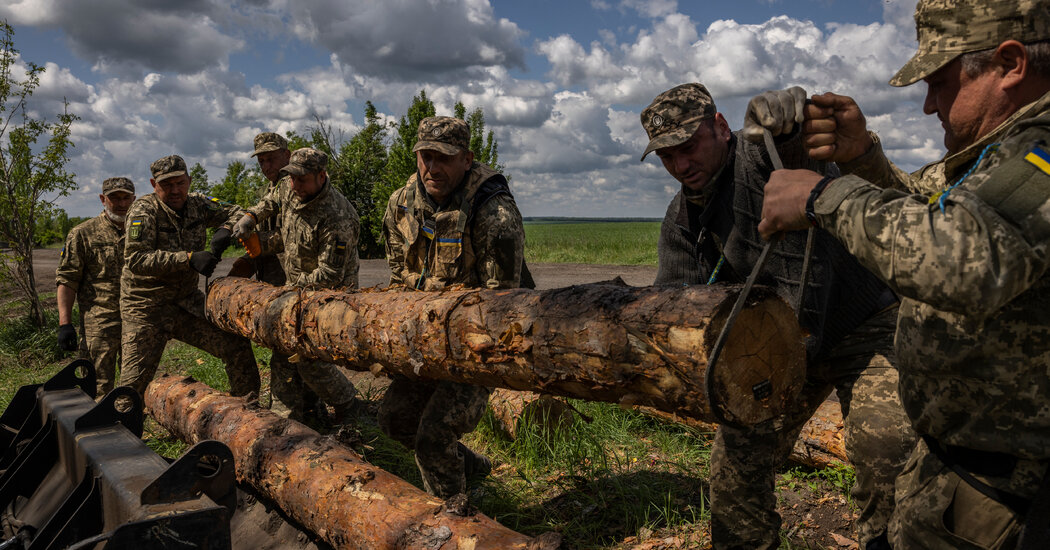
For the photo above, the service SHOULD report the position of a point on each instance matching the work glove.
(244, 226)
(220, 241)
(203, 262)
(777, 110)
(67, 337)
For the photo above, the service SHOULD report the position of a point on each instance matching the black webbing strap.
(1017, 504)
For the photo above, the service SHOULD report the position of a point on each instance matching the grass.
(617, 243)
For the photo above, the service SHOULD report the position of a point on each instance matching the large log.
(600, 342)
(322, 484)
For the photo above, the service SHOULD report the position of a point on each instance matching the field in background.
(591, 241)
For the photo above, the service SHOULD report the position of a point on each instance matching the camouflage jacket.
(269, 268)
(970, 262)
(723, 234)
(476, 239)
(318, 239)
(158, 242)
(90, 264)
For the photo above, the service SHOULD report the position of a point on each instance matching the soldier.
(163, 258)
(318, 232)
(969, 261)
(290, 397)
(710, 235)
(89, 272)
(454, 222)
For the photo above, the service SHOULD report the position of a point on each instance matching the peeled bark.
(821, 443)
(323, 485)
(600, 342)
(514, 408)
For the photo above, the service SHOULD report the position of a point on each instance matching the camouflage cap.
(167, 167)
(673, 117)
(269, 141)
(113, 185)
(444, 134)
(949, 28)
(306, 160)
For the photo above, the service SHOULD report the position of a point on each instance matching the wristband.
(817, 190)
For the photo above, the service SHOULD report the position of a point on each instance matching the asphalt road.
(376, 273)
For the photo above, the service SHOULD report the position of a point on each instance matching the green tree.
(29, 169)
(241, 185)
(199, 179)
(364, 159)
(485, 147)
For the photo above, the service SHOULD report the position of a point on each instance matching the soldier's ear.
(102, 198)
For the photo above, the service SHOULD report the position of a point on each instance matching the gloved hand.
(220, 241)
(203, 262)
(777, 110)
(244, 226)
(67, 337)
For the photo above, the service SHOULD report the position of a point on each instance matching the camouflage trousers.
(429, 417)
(296, 386)
(101, 348)
(878, 437)
(938, 510)
(143, 338)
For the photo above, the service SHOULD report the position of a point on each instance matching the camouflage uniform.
(91, 261)
(290, 396)
(712, 236)
(970, 263)
(319, 240)
(475, 239)
(159, 298)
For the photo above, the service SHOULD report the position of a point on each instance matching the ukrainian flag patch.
(136, 229)
(428, 231)
(1040, 159)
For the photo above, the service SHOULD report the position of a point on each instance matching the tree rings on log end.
(761, 368)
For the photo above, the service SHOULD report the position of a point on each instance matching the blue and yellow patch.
(340, 246)
(135, 231)
(428, 231)
(449, 242)
(63, 253)
(1040, 159)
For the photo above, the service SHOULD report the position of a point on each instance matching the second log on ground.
(601, 342)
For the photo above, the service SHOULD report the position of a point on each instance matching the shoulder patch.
(214, 203)
(135, 229)
(1039, 158)
(63, 253)
(340, 246)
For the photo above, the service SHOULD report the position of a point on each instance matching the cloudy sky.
(561, 82)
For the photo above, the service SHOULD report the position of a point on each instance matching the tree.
(486, 150)
(199, 179)
(241, 185)
(365, 158)
(29, 169)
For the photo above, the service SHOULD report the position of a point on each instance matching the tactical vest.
(438, 248)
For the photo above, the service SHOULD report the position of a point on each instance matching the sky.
(561, 82)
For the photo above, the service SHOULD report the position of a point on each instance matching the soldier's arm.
(874, 167)
(986, 246)
(338, 242)
(676, 262)
(499, 243)
(395, 241)
(69, 274)
(225, 215)
(141, 255)
(270, 204)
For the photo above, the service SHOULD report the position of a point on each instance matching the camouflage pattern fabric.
(91, 262)
(145, 335)
(268, 141)
(159, 298)
(673, 116)
(877, 432)
(973, 339)
(268, 269)
(445, 134)
(305, 160)
(949, 28)
(430, 417)
(487, 255)
(319, 250)
(457, 246)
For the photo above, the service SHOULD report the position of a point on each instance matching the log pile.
(601, 342)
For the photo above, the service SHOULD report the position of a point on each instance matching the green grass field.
(619, 243)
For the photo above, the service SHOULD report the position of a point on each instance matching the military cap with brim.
(168, 167)
(673, 116)
(269, 141)
(117, 185)
(304, 161)
(949, 28)
(445, 134)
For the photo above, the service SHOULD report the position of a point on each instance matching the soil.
(815, 515)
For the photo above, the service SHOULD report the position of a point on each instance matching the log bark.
(512, 409)
(322, 484)
(821, 443)
(600, 342)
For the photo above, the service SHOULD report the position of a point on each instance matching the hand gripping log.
(601, 342)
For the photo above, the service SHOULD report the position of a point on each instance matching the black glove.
(203, 262)
(220, 241)
(67, 337)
